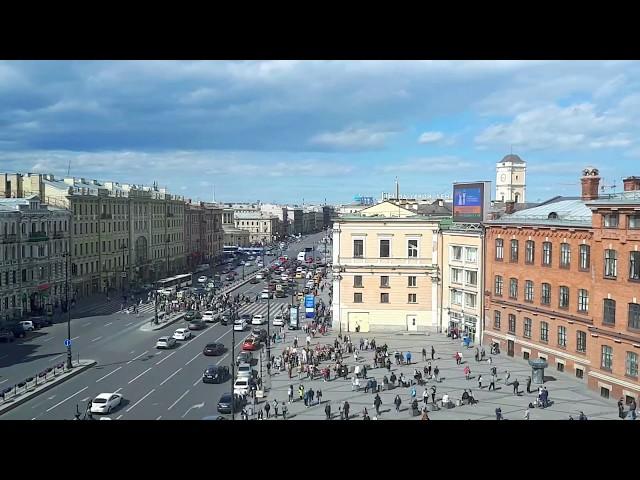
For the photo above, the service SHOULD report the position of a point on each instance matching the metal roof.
(571, 212)
(630, 197)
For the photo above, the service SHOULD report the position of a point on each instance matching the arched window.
(552, 216)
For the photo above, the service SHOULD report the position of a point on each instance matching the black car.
(197, 324)
(260, 334)
(246, 317)
(224, 404)
(213, 349)
(192, 315)
(215, 374)
(41, 321)
(254, 280)
(225, 319)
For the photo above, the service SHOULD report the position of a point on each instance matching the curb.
(24, 398)
(160, 327)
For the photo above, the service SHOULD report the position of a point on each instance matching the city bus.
(258, 251)
(174, 283)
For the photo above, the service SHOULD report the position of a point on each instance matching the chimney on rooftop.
(631, 184)
(590, 183)
(509, 206)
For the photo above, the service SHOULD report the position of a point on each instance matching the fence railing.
(31, 383)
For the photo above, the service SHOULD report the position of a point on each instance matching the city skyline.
(303, 127)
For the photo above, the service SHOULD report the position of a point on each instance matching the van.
(301, 256)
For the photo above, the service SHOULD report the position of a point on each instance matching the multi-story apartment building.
(461, 257)
(194, 231)
(34, 240)
(385, 266)
(262, 228)
(214, 235)
(121, 234)
(278, 211)
(294, 215)
(232, 236)
(560, 285)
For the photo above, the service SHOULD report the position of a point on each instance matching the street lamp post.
(155, 304)
(69, 362)
(123, 268)
(233, 363)
(268, 325)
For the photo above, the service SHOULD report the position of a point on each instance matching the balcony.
(105, 216)
(9, 238)
(385, 261)
(58, 234)
(38, 237)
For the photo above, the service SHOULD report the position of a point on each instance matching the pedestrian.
(507, 375)
(327, 411)
(433, 394)
(477, 355)
(436, 373)
(275, 408)
(526, 414)
(492, 383)
(480, 381)
(267, 407)
(528, 384)
(516, 384)
(408, 357)
(632, 409)
(425, 396)
(345, 408)
(424, 354)
(429, 369)
(364, 372)
(433, 352)
(498, 413)
(620, 408)
(467, 372)
(284, 411)
(319, 396)
(397, 402)
(377, 401)
(301, 391)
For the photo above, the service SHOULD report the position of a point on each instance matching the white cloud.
(577, 127)
(443, 164)
(354, 138)
(610, 87)
(430, 137)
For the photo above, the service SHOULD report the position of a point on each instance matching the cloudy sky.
(292, 130)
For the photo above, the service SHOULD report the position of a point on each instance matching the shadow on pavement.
(22, 354)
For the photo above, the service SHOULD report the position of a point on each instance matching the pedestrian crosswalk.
(262, 307)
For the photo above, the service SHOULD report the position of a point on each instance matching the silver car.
(166, 342)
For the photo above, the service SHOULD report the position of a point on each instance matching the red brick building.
(546, 288)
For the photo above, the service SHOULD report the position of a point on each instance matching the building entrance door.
(412, 325)
(510, 347)
(358, 322)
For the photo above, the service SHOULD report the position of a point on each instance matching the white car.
(208, 316)
(260, 276)
(166, 342)
(241, 386)
(239, 325)
(244, 370)
(259, 264)
(258, 319)
(299, 269)
(105, 402)
(278, 320)
(247, 264)
(202, 279)
(27, 325)
(251, 257)
(182, 334)
(266, 294)
(284, 277)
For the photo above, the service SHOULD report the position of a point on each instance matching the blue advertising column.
(309, 306)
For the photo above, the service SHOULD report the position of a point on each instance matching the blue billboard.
(309, 301)
(469, 202)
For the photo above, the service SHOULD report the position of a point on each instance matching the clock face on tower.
(503, 177)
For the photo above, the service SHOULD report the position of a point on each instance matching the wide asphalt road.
(156, 384)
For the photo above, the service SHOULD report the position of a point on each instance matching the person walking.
(429, 369)
(424, 354)
(311, 395)
(433, 352)
(319, 396)
(425, 396)
(408, 358)
(480, 382)
(477, 355)
(436, 373)
(492, 383)
(397, 402)
(377, 401)
(267, 407)
(327, 411)
(284, 411)
(528, 384)
(516, 384)
(345, 408)
(498, 413)
(526, 414)
(290, 393)
(433, 394)
(467, 372)
(301, 391)
(620, 408)
(632, 409)
(275, 408)
(507, 376)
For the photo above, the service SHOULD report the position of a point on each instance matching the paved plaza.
(569, 395)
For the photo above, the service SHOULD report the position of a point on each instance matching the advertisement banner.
(309, 301)
(469, 202)
(293, 318)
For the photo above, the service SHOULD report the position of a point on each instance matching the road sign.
(67, 342)
(309, 301)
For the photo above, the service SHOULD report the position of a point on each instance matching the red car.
(251, 344)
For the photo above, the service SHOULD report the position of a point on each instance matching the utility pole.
(233, 364)
(268, 325)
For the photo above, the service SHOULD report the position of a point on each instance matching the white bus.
(174, 283)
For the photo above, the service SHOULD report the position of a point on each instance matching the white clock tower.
(511, 179)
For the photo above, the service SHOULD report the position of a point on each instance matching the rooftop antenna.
(69, 168)
(214, 193)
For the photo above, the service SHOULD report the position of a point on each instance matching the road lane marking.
(134, 379)
(95, 339)
(57, 356)
(143, 353)
(70, 396)
(107, 324)
(118, 390)
(159, 417)
(169, 377)
(131, 407)
(75, 338)
(132, 352)
(197, 381)
(130, 323)
(102, 378)
(86, 324)
(85, 399)
(118, 417)
(172, 353)
(197, 355)
(47, 340)
(181, 397)
(4, 380)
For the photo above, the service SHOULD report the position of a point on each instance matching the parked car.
(278, 320)
(106, 402)
(241, 386)
(260, 276)
(209, 316)
(182, 334)
(215, 374)
(225, 403)
(41, 321)
(245, 371)
(27, 325)
(213, 349)
(258, 319)
(197, 324)
(166, 342)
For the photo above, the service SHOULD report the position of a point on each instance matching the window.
(585, 257)
(634, 221)
(607, 357)
(412, 281)
(583, 300)
(634, 315)
(358, 248)
(609, 311)
(545, 297)
(412, 249)
(528, 291)
(546, 254)
(471, 277)
(512, 323)
(579, 373)
(610, 263)
(499, 249)
(529, 251)
(632, 364)
(357, 297)
(413, 298)
(456, 253)
(384, 281)
(357, 281)
(565, 255)
(604, 392)
(498, 285)
(470, 300)
(384, 298)
(513, 288)
(472, 254)
(496, 319)
(544, 332)
(562, 336)
(456, 275)
(456, 297)
(634, 265)
(514, 250)
(527, 328)
(564, 297)
(581, 341)
(610, 220)
(525, 355)
(384, 248)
